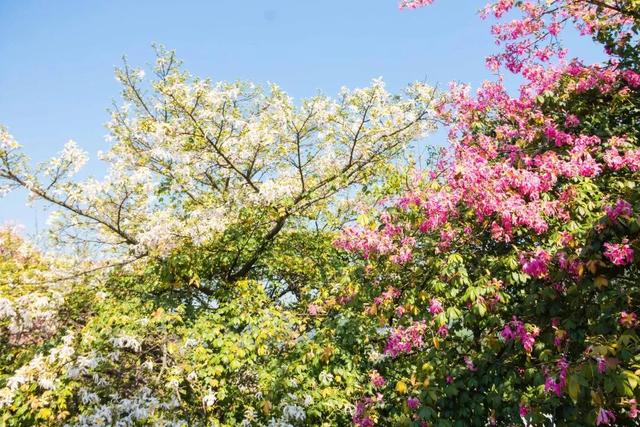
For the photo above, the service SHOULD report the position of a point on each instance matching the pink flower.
(314, 309)
(443, 331)
(388, 295)
(516, 330)
(404, 340)
(537, 265)
(632, 78)
(621, 208)
(361, 416)
(619, 253)
(633, 408)
(628, 320)
(613, 159)
(523, 410)
(565, 238)
(571, 120)
(469, 363)
(435, 307)
(414, 4)
(605, 417)
(557, 384)
(377, 380)
(559, 337)
(413, 403)
(492, 62)
(602, 364)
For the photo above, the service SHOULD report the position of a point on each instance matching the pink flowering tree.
(515, 258)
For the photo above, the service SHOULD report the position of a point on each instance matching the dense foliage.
(249, 260)
(507, 277)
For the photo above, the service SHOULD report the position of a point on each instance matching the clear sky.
(57, 57)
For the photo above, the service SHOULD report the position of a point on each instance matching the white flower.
(249, 415)
(6, 308)
(308, 400)
(210, 399)
(46, 382)
(126, 341)
(293, 412)
(325, 378)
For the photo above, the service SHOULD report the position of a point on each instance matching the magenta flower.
(619, 253)
(621, 208)
(523, 410)
(557, 384)
(404, 340)
(633, 409)
(632, 78)
(628, 320)
(605, 417)
(537, 265)
(413, 403)
(571, 120)
(443, 331)
(377, 380)
(435, 307)
(559, 337)
(516, 330)
(469, 363)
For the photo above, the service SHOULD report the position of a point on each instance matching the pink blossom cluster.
(391, 240)
(443, 331)
(361, 416)
(630, 159)
(435, 307)
(495, 177)
(406, 339)
(414, 4)
(633, 409)
(605, 417)
(389, 295)
(376, 379)
(516, 330)
(571, 264)
(536, 265)
(621, 208)
(628, 319)
(619, 253)
(469, 364)
(532, 38)
(601, 363)
(413, 403)
(557, 384)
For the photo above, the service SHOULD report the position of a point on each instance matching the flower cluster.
(619, 253)
(516, 330)
(404, 340)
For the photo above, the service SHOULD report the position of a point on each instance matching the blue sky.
(56, 77)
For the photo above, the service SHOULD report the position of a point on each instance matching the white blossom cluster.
(29, 318)
(145, 408)
(190, 158)
(41, 370)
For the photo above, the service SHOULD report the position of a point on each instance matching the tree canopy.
(253, 260)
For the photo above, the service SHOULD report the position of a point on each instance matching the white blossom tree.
(192, 160)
